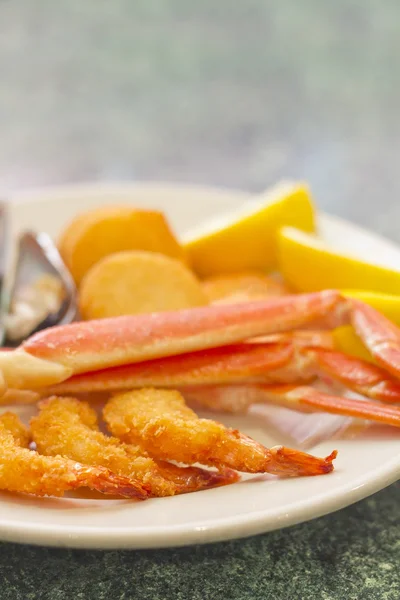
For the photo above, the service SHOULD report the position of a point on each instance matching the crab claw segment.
(240, 362)
(300, 339)
(308, 399)
(357, 375)
(92, 345)
(239, 398)
(20, 370)
(380, 336)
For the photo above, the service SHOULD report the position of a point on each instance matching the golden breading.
(25, 471)
(14, 425)
(170, 430)
(69, 427)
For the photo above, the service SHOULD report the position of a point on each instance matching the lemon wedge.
(344, 337)
(246, 240)
(308, 264)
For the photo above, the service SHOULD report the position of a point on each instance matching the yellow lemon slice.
(345, 338)
(246, 240)
(308, 264)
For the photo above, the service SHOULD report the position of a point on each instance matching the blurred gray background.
(229, 92)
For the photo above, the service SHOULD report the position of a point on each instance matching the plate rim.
(229, 528)
(179, 535)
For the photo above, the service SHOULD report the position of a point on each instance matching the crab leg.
(242, 363)
(355, 374)
(300, 338)
(20, 370)
(238, 362)
(92, 345)
(239, 398)
(60, 352)
(311, 400)
(229, 364)
(379, 335)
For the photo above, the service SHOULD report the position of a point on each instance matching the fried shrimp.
(25, 471)
(16, 428)
(169, 430)
(69, 427)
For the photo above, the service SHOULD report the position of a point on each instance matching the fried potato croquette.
(134, 282)
(240, 287)
(170, 430)
(69, 427)
(25, 471)
(102, 231)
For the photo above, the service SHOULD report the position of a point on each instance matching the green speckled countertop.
(229, 93)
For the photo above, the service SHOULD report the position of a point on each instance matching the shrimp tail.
(293, 463)
(200, 479)
(104, 481)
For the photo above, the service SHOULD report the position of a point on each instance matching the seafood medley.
(160, 339)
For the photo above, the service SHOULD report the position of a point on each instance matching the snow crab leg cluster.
(224, 357)
(216, 357)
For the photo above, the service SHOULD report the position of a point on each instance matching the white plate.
(365, 464)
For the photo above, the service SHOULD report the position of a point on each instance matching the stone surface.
(229, 93)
